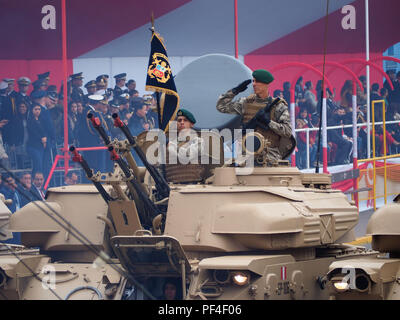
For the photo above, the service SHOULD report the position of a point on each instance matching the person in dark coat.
(15, 134)
(37, 141)
(76, 84)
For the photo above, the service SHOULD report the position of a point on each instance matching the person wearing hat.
(274, 124)
(91, 89)
(89, 137)
(38, 85)
(76, 84)
(187, 146)
(45, 77)
(9, 108)
(120, 88)
(124, 112)
(101, 83)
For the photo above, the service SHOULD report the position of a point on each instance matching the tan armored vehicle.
(222, 231)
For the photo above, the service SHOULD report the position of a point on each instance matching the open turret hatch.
(149, 255)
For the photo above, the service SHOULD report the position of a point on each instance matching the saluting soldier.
(275, 122)
(101, 84)
(76, 84)
(120, 88)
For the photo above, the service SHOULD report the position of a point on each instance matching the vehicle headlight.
(341, 286)
(240, 278)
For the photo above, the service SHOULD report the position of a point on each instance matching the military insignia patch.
(159, 68)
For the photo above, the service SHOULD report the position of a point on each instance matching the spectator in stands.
(38, 181)
(395, 96)
(37, 141)
(303, 121)
(40, 98)
(72, 121)
(10, 192)
(392, 75)
(362, 92)
(336, 136)
(346, 95)
(310, 99)
(71, 178)
(286, 91)
(299, 92)
(16, 133)
(28, 194)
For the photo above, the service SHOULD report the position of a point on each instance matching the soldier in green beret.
(187, 146)
(275, 124)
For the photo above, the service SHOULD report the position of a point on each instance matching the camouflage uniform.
(279, 128)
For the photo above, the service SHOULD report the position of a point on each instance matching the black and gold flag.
(160, 79)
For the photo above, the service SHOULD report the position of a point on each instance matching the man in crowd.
(45, 78)
(10, 192)
(38, 181)
(76, 84)
(88, 136)
(120, 88)
(28, 193)
(91, 89)
(131, 84)
(71, 178)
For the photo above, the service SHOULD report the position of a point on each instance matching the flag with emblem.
(160, 79)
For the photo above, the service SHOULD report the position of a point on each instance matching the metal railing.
(308, 130)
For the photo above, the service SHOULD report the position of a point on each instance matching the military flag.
(160, 79)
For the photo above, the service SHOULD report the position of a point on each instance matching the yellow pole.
(373, 151)
(397, 155)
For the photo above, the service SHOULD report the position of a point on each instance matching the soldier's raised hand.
(241, 87)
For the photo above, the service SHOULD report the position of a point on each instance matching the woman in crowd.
(37, 140)
(72, 121)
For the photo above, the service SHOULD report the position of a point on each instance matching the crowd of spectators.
(339, 114)
(32, 126)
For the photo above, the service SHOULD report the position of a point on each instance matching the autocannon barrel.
(99, 128)
(89, 173)
(161, 183)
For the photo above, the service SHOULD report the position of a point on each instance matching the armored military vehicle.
(222, 230)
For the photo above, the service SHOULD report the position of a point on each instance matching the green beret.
(263, 76)
(187, 114)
